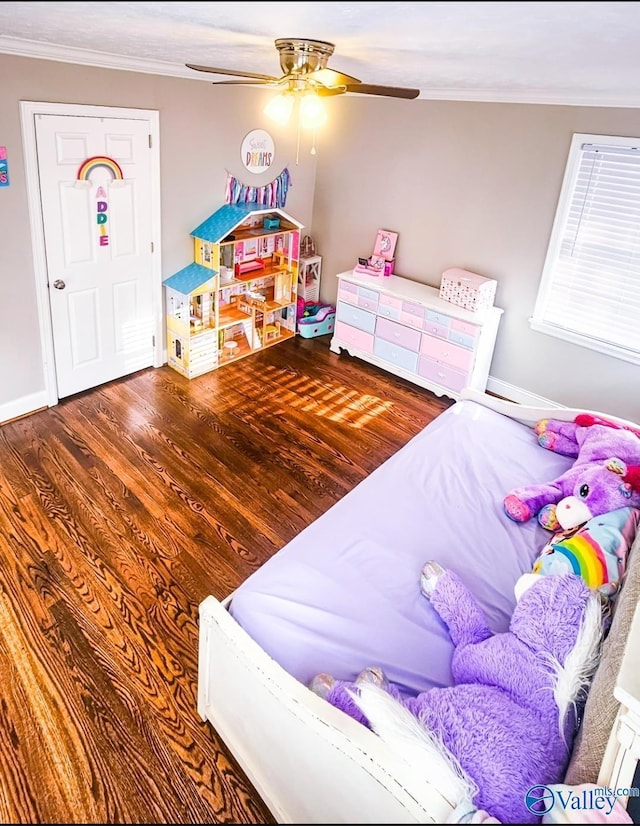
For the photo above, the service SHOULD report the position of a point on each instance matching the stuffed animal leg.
(341, 695)
(457, 608)
(523, 503)
(560, 437)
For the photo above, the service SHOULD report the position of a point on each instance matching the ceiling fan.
(304, 66)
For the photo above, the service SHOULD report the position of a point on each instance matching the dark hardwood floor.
(122, 508)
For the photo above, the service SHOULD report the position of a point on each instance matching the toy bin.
(320, 322)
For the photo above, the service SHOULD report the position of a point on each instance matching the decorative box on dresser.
(405, 327)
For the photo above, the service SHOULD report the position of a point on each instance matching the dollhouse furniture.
(344, 594)
(406, 328)
(239, 294)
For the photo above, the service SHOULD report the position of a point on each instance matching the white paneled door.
(96, 184)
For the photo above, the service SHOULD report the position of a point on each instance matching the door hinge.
(149, 141)
(153, 341)
(152, 247)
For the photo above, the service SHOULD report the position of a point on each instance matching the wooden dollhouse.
(239, 293)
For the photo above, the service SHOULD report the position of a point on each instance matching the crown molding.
(102, 60)
(597, 100)
(99, 60)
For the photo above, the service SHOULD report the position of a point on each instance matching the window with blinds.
(590, 288)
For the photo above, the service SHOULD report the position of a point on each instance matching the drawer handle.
(396, 335)
(441, 375)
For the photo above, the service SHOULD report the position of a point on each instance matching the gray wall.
(465, 184)
(471, 185)
(201, 131)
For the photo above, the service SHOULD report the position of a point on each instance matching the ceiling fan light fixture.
(280, 108)
(312, 112)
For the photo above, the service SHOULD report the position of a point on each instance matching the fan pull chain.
(298, 142)
(313, 142)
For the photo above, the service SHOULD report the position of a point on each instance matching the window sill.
(612, 350)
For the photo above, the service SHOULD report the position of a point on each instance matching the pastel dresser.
(405, 327)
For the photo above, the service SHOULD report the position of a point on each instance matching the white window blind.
(590, 287)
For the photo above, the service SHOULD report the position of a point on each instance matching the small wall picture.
(385, 245)
(250, 250)
(257, 151)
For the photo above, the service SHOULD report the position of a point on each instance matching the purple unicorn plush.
(507, 723)
(605, 475)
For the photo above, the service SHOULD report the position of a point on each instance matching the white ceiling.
(551, 52)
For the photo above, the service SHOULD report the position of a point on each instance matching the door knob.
(59, 284)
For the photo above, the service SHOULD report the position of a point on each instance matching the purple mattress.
(344, 594)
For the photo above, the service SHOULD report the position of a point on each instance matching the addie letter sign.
(257, 151)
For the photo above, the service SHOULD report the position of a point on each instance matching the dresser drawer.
(446, 352)
(398, 334)
(434, 328)
(353, 337)
(412, 314)
(356, 317)
(394, 354)
(368, 299)
(387, 311)
(471, 330)
(462, 339)
(438, 318)
(347, 295)
(411, 319)
(348, 287)
(368, 302)
(390, 301)
(442, 374)
(390, 307)
(368, 295)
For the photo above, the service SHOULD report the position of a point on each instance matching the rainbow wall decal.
(100, 162)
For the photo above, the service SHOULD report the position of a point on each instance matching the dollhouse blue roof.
(189, 278)
(225, 219)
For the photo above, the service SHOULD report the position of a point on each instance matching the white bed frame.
(310, 762)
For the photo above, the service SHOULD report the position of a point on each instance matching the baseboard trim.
(23, 406)
(513, 393)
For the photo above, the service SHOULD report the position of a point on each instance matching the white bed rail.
(294, 746)
(528, 414)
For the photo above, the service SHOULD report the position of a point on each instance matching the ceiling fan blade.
(329, 77)
(387, 91)
(217, 71)
(247, 82)
(329, 91)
